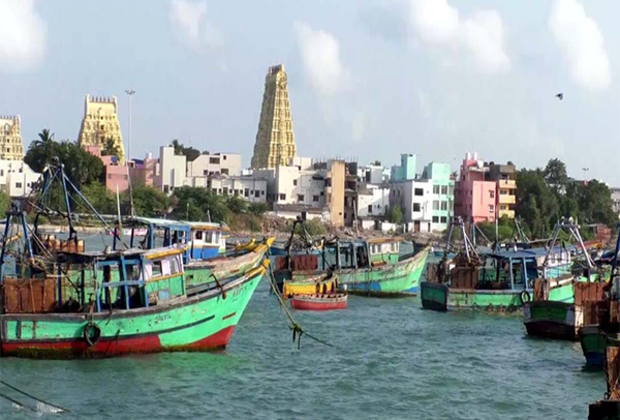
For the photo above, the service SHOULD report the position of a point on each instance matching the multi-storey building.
(440, 176)
(100, 126)
(275, 140)
(250, 188)
(504, 176)
(16, 178)
(209, 164)
(475, 197)
(11, 142)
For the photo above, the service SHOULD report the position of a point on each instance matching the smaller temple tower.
(11, 143)
(100, 124)
(275, 140)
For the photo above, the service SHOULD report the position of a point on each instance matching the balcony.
(507, 183)
(507, 213)
(507, 199)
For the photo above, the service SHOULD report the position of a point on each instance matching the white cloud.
(191, 24)
(439, 24)
(22, 35)
(320, 54)
(582, 44)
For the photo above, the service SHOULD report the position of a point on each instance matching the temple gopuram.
(11, 142)
(275, 140)
(100, 125)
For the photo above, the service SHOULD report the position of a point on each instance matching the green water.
(390, 360)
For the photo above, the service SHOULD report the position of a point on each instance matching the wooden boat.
(545, 317)
(603, 326)
(609, 407)
(67, 303)
(320, 302)
(370, 267)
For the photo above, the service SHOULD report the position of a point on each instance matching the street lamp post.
(130, 93)
(585, 170)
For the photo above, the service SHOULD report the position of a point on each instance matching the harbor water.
(390, 360)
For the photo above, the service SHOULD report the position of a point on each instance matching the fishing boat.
(603, 326)
(609, 407)
(68, 303)
(545, 317)
(319, 302)
(368, 267)
(496, 280)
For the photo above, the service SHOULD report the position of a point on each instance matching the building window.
(435, 219)
(444, 205)
(18, 185)
(224, 171)
(224, 157)
(370, 208)
(315, 198)
(246, 192)
(492, 194)
(503, 192)
(444, 219)
(282, 196)
(435, 189)
(419, 192)
(225, 190)
(256, 194)
(435, 205)
(214, 161)
(416, 207)
(444, 189)
(451, 189)
(491, 208)
(262, 193)
(295, 182)
(300, 198)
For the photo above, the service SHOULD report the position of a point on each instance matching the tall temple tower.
(100, 124)
(11, 143)
(275, 141)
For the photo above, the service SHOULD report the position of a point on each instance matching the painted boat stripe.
(120, 337)
(229, 316)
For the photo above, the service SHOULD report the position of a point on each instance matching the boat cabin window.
(209, 237)
(518, 274)
(198, 235)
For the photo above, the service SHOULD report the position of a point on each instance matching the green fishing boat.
(372, 267)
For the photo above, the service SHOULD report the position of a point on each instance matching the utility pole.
(130, 93)
(585, 170)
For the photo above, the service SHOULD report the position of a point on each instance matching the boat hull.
(593, 344)
(553, 319)
(204, 322)
(440, 297)
(319, 302)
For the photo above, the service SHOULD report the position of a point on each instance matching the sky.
(368, 80)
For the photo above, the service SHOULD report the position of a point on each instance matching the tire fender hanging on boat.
(92, 333)
(525, 297)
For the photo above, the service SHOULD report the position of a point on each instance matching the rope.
(297, 330)
(57, 407)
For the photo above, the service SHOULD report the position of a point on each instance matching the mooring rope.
(298, 332)
(57, 407)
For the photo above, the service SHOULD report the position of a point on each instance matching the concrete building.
(172, 170)
(215, 164)
(415, 198)
(100, 125)
(144, 171)
(475, 197)
(11, 142)
(275, 140)
(505, 178)
(373, 174)
(615, 198)
(335, 191)
(406, 169)
(439, 174)
(16, 178)
(250, 188)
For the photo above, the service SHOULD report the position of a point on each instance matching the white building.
(415, 197)
(172, 170)
(16, 178)
(251, 188)
(373, 174)
(373, 201)
(215, 164)
(615, 198)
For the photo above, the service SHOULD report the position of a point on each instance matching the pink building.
(115, 174)
(475, 198)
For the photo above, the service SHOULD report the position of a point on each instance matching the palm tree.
(45, 137)
(178, 147)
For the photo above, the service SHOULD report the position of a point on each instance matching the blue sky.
(367, 79)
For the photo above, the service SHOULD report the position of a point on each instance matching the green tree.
(102, 199)
(197, 204)
(536, 203)
(190, 153)
(593, 201)
(110, 148)
(395, 215)
(236, 204)
(5, 203)
(257, 208)
(148, 201)
(556, 176)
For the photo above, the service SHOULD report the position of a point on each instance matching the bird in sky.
(560, 96)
